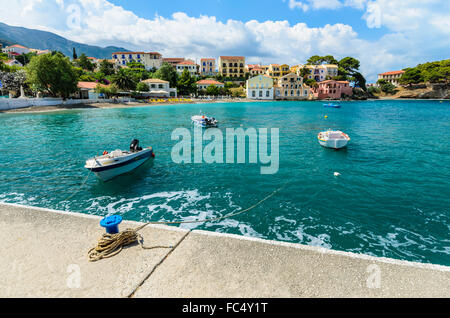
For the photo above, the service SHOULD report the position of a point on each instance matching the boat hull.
(334, 144)
(108, 172)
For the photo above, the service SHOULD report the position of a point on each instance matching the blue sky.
(260, 10)
(383, 34)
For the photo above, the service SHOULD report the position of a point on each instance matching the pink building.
(332, 89)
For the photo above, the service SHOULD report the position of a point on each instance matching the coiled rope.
(112, 244)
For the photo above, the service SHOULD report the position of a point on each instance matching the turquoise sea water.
(392, 198)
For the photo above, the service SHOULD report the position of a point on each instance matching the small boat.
(333, 139)
(118, 162)
(332, 105)
(204, 121)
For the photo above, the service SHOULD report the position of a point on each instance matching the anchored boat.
(335, 139)
(118, 162)
(204, 121)
(332, 105)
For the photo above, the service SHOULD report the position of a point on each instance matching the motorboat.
(332, 105)
(204, 121)
(118, 162)
(335, 139)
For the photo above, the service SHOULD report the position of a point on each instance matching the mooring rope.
(112, 244)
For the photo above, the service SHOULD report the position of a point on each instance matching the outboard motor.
(134, 147)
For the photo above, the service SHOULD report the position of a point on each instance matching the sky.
(383, 34)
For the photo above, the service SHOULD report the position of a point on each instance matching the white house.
(13, 62)
(160, 88)
(260, 87)
(204, 84)
(16, 48)
(150, 59)
(187, 65)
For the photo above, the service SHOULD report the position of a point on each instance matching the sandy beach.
(40, 109)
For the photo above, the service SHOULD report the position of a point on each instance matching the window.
(253, 94)
(267, 93)
(260, 93)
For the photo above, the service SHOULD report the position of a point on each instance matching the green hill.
(43, 40)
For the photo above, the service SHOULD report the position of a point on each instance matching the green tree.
(108, 91)
(212, 90)
(84, 63)
(107, 68)
(24, 59)
(319, 60)
(186, 84)
(348, 69)
(167, 73)
(304, 72)
(411, 76)
(124, 80)
(52, 74)
(142, 87)
(386, 86)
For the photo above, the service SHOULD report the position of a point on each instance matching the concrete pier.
(44, 254)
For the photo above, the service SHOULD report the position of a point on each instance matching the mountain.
(43, 40)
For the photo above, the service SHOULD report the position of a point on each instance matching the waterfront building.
(86, 90)
(232, 66)
(391, 77)
(207, 66)
(260, 87)
(291, 87)
(204, 84)
(150, 59)
(189, 65)
(160, 88)
(331, 89)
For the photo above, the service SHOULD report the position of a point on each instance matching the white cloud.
(103, 23)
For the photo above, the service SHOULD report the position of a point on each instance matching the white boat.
(204, 121)
(118, 162)
(335, 139)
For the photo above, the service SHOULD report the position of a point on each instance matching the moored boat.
(335, 139)
(204, 121)
(332, 105)
(118, 162)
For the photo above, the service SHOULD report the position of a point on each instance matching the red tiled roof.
(18, 45)
(393, 73)
(209, 82)
(89, 85)
(173, 59)
(187, 62)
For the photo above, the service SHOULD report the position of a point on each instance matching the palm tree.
(124, 80)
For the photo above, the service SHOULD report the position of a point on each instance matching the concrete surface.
(44, 254)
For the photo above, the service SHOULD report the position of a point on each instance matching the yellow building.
(276, 71)
(291, 87)
(232, 66)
